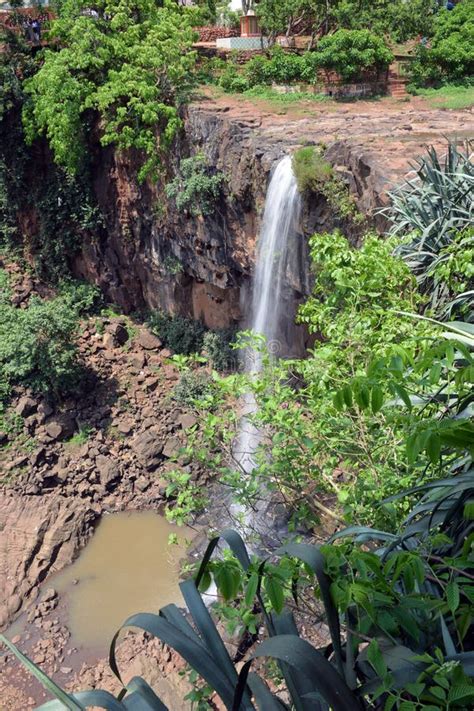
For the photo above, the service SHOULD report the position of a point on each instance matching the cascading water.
(280, 218)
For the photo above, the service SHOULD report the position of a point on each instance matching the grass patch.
(449, 96)
(80, 437)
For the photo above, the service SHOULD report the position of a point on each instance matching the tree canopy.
(127, 62)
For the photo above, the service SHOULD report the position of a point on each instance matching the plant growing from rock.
(197, 186)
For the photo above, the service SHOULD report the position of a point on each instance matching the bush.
(314, 174)
(180, 334)
(310, 169)
(451, 54)
(37, 348)
(351, 52)
(217, 347)
(196, 187)
(193, 385)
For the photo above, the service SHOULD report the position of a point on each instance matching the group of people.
(32, 27)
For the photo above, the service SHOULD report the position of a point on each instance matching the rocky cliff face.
(151, 255)
(155, 256)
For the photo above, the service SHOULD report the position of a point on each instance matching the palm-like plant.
(431, 209)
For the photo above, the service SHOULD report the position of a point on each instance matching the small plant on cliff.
(128, 63)
(197, 187)
(315, 174)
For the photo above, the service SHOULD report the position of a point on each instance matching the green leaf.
(251, 589)
(433, 447)
(274, 590)
(228, 581)
(376, 399)
(452, 596)
(375, 657)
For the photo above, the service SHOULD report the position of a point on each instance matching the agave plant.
(432, 208)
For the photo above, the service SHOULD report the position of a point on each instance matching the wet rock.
(49, 594)
(148, 341)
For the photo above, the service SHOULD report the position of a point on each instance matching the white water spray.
(282, 207)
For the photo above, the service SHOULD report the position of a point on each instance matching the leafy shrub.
(130, 64)
(434, 210)
(180, 334)
(193, 385)
(450, 55)
(197, 187)
(233, 82)
(310, 169)
(217, 347)
(351, 52)
(314, 174)
(37, 347)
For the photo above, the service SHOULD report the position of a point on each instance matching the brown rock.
(108, 341)
(108, 469)
(148, 341)
(118, 332)
(187, 421)
(125, 427)
(26, 406)
(171, 447)
(148, 448)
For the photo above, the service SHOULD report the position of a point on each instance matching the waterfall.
(282, 207)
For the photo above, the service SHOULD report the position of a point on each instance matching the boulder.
(148, 341)
(171, 447)
(26, 406)
(148, 448)
(186, 421)
(109, 470)
(118, 332)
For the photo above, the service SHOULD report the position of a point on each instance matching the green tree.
(350, 52)
(451, 54)
(125, 62)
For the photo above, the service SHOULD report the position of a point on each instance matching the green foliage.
(197, 187)
(187, 497)
(314, 174)
(450, 54)
(352, 52)
(193, 386)
(180, 334)
(37, 347)
(217, 347)
(310, 169)
(435, 211)
(129, 65)
(397, 18)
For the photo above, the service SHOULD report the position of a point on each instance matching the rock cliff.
(152, 255)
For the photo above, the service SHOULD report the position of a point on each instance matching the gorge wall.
(151, 255)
